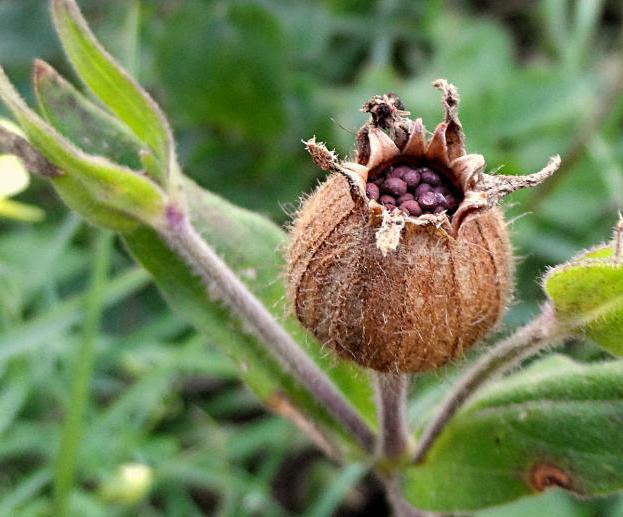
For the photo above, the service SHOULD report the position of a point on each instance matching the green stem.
(542, 332)
(73, 425)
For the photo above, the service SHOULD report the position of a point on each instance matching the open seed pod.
(401, 259)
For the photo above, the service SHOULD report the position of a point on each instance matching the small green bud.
(130, 485)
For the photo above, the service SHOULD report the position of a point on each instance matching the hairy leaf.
(558, 423)
(114, 86)
(587, 293)
(84, 123)
(249, 243)
(91, 178)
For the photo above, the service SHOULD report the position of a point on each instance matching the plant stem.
(400, 507)
(186, 242)
(10, 143)
(73, 425)
(541, 332)
(391, 394)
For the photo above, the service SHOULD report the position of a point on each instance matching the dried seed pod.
(410, 289)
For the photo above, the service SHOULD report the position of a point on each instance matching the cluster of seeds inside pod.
(414, 190)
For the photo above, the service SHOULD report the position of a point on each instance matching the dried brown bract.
(401, 260)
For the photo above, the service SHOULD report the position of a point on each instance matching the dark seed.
(378, 181)
(440, 200)
(411, 207)
(405, 197)
(372, 191)
(387, 200)
(411, 178)
(395, 186)
(427, 201)
(422, 188)
(430, 177)
(399, 172)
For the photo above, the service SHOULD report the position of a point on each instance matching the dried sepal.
(328, 161)
(454, 130)
(437, 150)
(416, 143)
(499, 186)
(382, 148)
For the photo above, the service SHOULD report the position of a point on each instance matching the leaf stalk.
(542, 332)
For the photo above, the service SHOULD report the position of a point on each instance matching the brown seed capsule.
(401, 290)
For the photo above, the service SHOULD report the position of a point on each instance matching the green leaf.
(84, 123)
(587, 294)
(114, 86)
(557, 423)
(249, 243)
(89, 178)
(551, 502)
(72, 192)
(24, 490)
(238, 81)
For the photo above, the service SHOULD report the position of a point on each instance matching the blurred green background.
(242, 83)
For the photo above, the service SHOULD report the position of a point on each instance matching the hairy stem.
(400, 507)
(10, 143)
(541, 332)
(391, 395)
(185, 241)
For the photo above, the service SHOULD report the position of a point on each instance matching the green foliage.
(558, 419)
(73, 425)
(77, 118)
(237, 80)
(586, 293)
(114, 87)
(112, 187)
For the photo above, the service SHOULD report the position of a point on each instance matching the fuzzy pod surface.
(401, 260)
